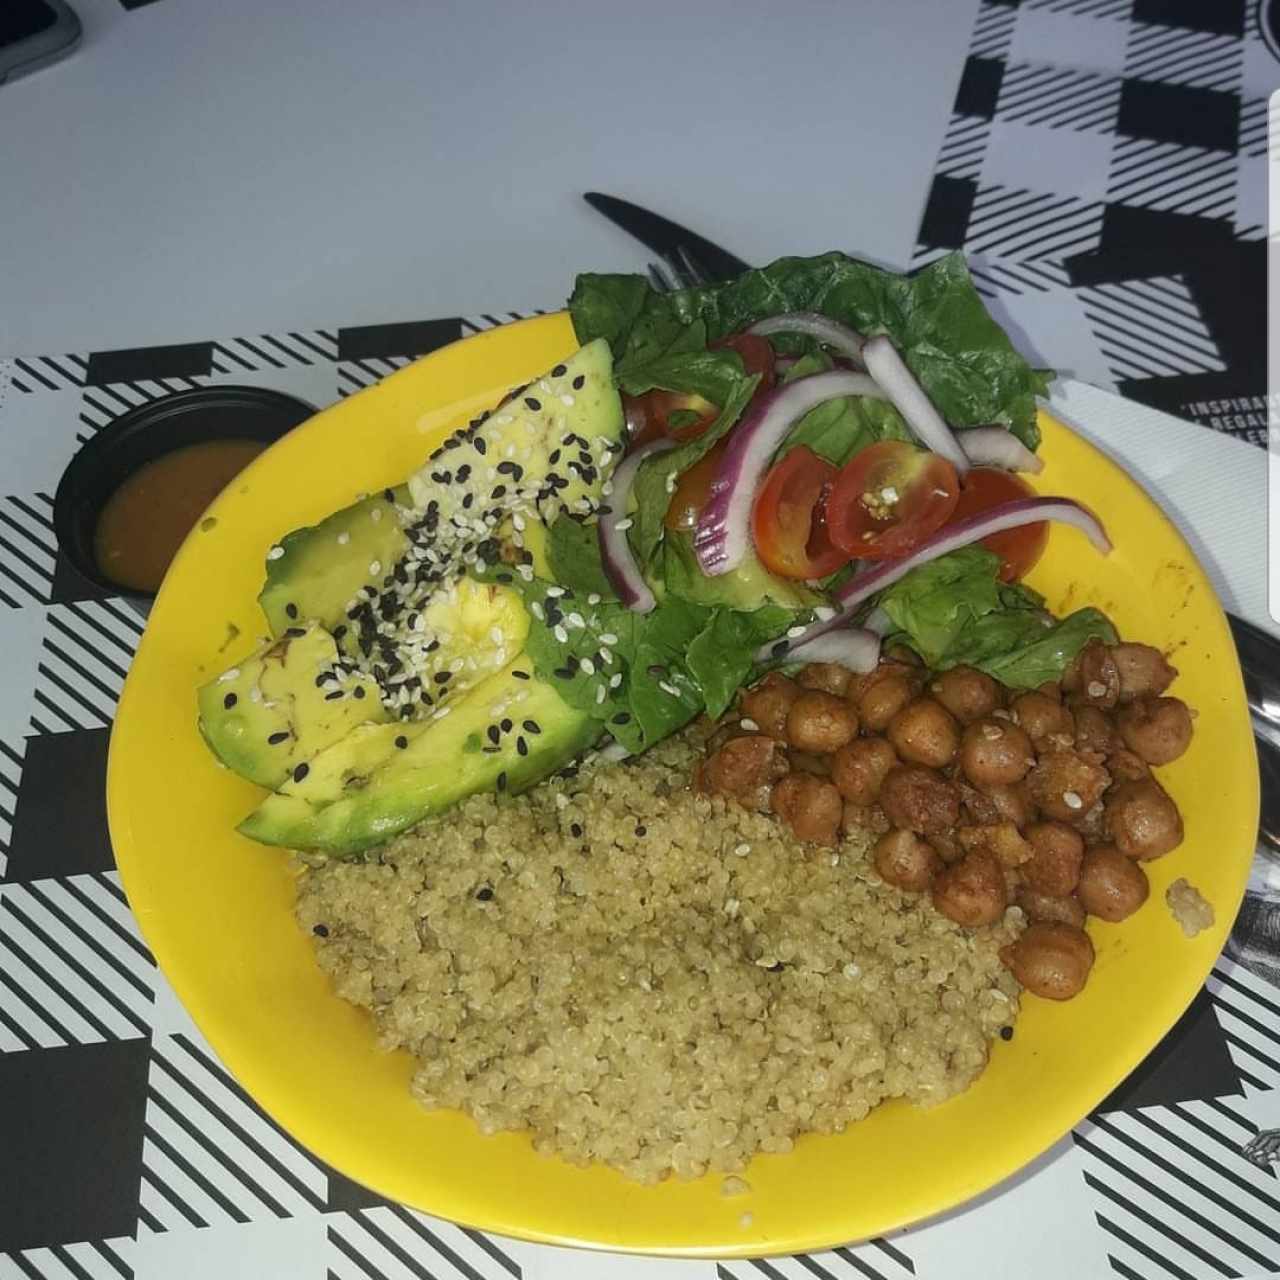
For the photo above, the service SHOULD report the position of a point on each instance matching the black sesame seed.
(499, 491)
(452, 443)
(277, 738)
(334, 696)
(402, 742)
(479, 445)
(780, 648)
(563, 673)
(340, 631)
(295, 632)
(559, 371)
(579, 382)
(442, 677)
(641, 832)
(505, 577)
(623, 717)
(506, 726)
(484, 893)
(506, 468)
(291, 610)
(301, 772)
(532, 403)
(531, 726)
(555, 457)
(493, 734)
(322, 677)
(230, 701)
(467, 500)
(502, 781)
(521, 675)
(522, 747)
(491, 751)
(389, 494)
(1006, 1033)
(320, 930)
(776, 967)
(358, 691)
(575, 830)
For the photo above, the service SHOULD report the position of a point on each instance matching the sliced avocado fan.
(422, 653)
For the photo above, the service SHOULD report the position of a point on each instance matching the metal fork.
(677, 270)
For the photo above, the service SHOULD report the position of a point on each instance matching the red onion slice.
(889, 369)
(813, 324)
(854, 648)
(883, 573)
(724, 529)
(998, 447)
(615, 551)
(1008, 515)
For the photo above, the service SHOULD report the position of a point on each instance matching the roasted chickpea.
(1094, 730)
(881, 695)
(865, 817)
(918, 799)
(1157, 729)
(1112, 887)
(745, 768)
(972, 892)
(1051, 960)
(1054, 866)
(1002, 839)
(995, 752)
(946, 846)
(1126, 766)
(1044, 906)
(820, 722)
(809, 762)
(1065, 784)
(924, 732)
(1043, 718)
(811, 807)
(1143, 671)
(1004, 802)
(859, 767)
(826, 677)
(1141, 819)
(1093, 677)
(906, 860)
(769, 702)
(968, 694)
(1092, 824)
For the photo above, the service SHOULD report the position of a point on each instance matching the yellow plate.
(216, 908)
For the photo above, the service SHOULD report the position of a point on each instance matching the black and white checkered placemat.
(1105, 169)
(128, 1151)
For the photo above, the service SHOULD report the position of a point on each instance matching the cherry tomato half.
(755, 352)
(679, 414)
(1019, 549)
(789, 518)
(692, 490)
(889, 498)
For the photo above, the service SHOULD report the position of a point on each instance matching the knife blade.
(662, 236)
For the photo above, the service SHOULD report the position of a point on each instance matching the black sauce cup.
(144, 434)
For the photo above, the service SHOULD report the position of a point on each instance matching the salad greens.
(645, 675)
(955, 611)
(936, 318)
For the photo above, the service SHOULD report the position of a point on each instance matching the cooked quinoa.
(653, 978)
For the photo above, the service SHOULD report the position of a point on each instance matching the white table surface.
(195, 164)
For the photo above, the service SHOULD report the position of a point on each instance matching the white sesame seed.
(594, 599)
(555, 592)
(607, 637)
(560, 634)
(495, 634)
(588, 666)
(748, 724)
(606, 489)
(741, 850)
(1096, 688)
(599, 693)
(375, 567)
(525, 571)
(537, 610)
(232, 674)
(606, 655)
(275, 553)
(615, 680)
(576, 620)
(667, 688)
(823, 613)
(376, 514)
(566, 398)
(794, 633)
(343, 539)
(621, 526)
(1072, 800)
(671, 482)
(851, 970)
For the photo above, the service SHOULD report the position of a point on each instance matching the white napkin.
(1214, 488)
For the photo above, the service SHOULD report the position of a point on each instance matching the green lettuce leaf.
(936, 318)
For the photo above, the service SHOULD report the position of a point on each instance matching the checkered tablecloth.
(1104, 168)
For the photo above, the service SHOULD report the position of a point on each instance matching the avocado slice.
(318, 569)
(748, 587)
(365, 796)
(277, 707)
